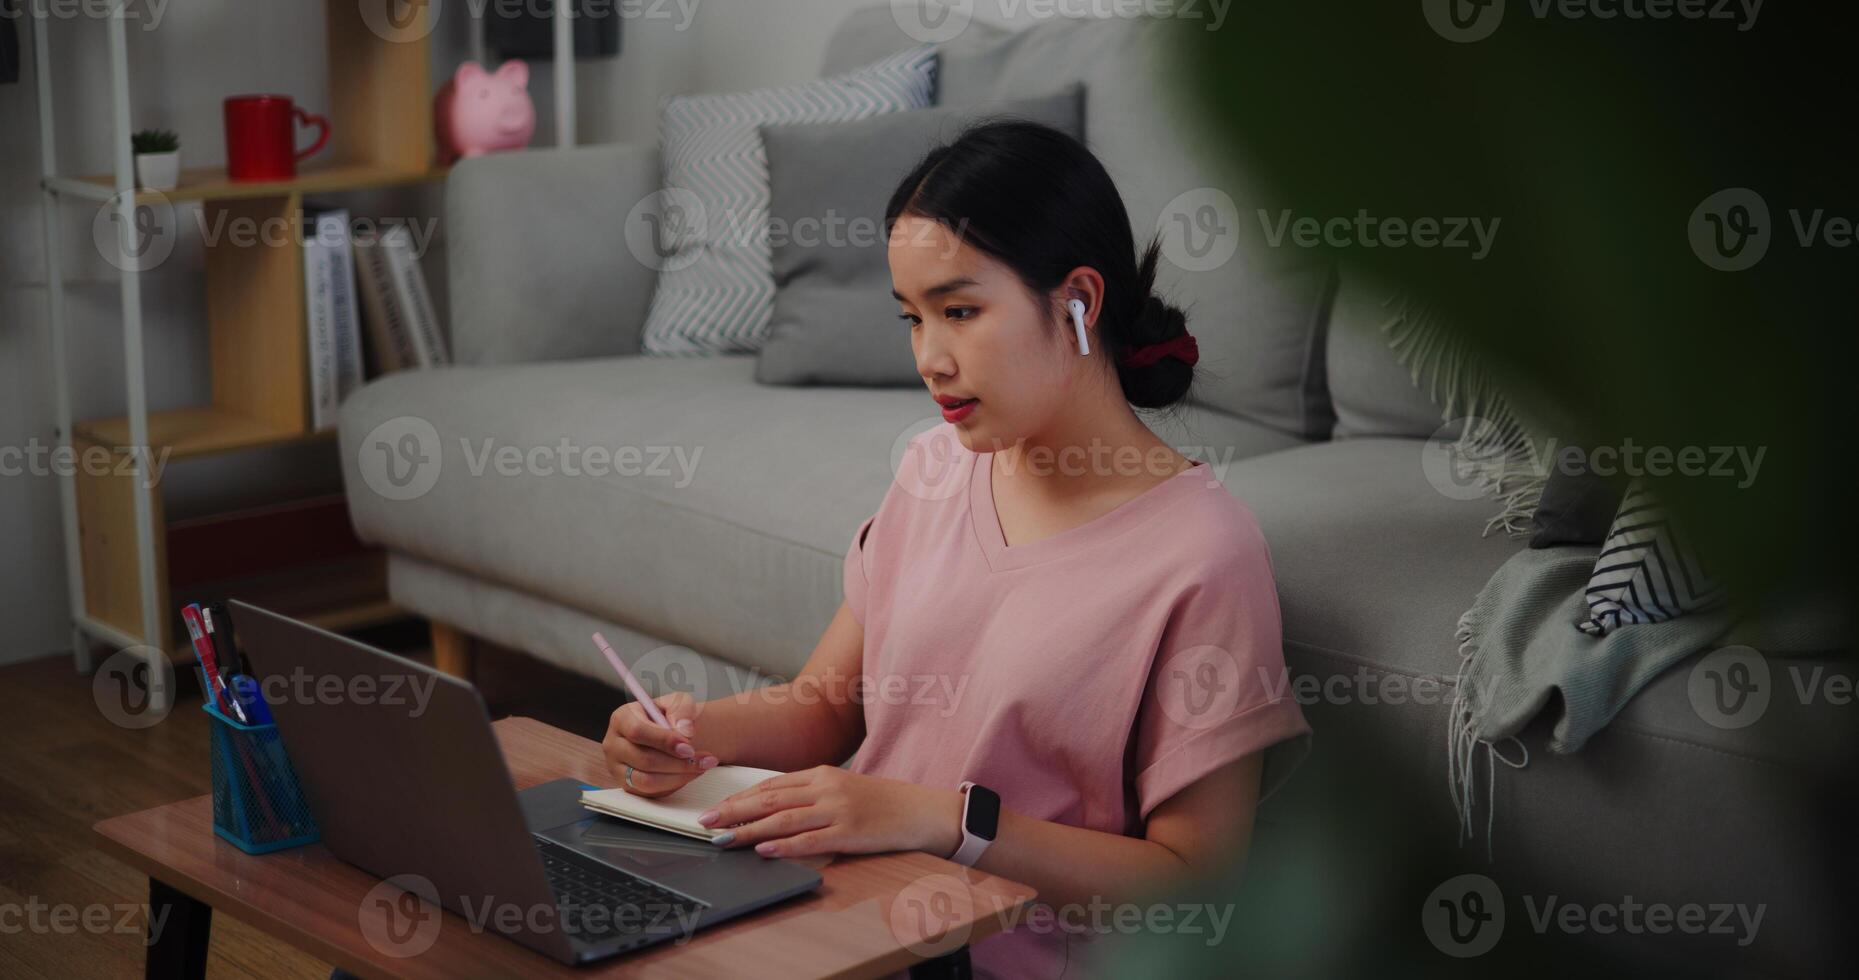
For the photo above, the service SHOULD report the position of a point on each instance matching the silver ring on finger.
(629, 778)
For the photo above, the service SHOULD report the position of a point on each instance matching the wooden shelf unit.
(379, 105)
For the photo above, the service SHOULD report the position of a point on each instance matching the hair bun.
(1158, 321)
(1156, 381)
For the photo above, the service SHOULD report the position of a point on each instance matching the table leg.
(179, 926)
(949, 966)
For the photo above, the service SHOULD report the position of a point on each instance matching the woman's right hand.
(663, 759)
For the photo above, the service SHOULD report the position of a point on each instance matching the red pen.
(203, 648)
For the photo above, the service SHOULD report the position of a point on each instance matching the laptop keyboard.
(599, 904)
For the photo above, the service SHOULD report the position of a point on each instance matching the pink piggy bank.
(477, 112)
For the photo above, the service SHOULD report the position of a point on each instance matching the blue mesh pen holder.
(258, 804)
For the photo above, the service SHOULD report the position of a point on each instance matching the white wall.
(198, 52)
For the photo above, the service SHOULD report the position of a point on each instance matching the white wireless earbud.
(1077, 308)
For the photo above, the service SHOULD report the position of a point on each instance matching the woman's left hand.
(827, 810)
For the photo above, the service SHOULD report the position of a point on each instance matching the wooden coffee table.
(873, 914)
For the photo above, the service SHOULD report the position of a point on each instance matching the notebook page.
(681, 809)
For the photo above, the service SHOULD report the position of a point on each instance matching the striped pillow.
(715, 287)
(1645, 572)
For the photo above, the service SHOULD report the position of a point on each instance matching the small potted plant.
(158, 158)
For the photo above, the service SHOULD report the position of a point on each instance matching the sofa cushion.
(1373, 394)
(726, 532)
(876, 31)
(714, 290)
(834, 319)
(1256, 312)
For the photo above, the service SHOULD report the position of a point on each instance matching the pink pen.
(632, 683)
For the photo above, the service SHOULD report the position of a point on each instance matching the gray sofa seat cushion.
(738, 556)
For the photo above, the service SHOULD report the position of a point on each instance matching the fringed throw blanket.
(1520, 643)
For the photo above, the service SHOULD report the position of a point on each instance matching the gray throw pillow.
(834, 321)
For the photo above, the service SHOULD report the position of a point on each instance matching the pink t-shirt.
(1086, 677)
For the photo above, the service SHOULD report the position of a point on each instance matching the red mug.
(261, 137)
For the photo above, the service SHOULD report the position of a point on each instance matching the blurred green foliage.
(1593, 141)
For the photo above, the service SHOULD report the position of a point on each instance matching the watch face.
(984, 812)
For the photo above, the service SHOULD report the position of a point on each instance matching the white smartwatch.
(981, 814)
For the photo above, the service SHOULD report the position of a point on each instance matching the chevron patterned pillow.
(715, 286)
(1645, 572)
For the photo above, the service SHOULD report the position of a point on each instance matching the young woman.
(1050, 604)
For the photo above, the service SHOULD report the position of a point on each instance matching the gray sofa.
(725, 575)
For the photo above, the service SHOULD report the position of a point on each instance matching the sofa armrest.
(538, 267)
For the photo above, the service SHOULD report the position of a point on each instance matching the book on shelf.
(403, 330)
(331, 314)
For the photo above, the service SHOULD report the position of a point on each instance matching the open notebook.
(678, 812)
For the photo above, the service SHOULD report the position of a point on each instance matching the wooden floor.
(64, 766)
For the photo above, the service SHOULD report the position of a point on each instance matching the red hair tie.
(1183, 348)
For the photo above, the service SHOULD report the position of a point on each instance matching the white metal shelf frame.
(122, 200)
(54, 186)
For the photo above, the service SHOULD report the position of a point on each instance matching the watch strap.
(972, 845)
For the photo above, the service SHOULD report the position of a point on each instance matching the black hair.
(1037, 200)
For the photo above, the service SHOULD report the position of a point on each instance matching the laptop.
(407, 782)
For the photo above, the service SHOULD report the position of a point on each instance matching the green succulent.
(155, 141)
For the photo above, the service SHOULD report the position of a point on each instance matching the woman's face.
(986, 348)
